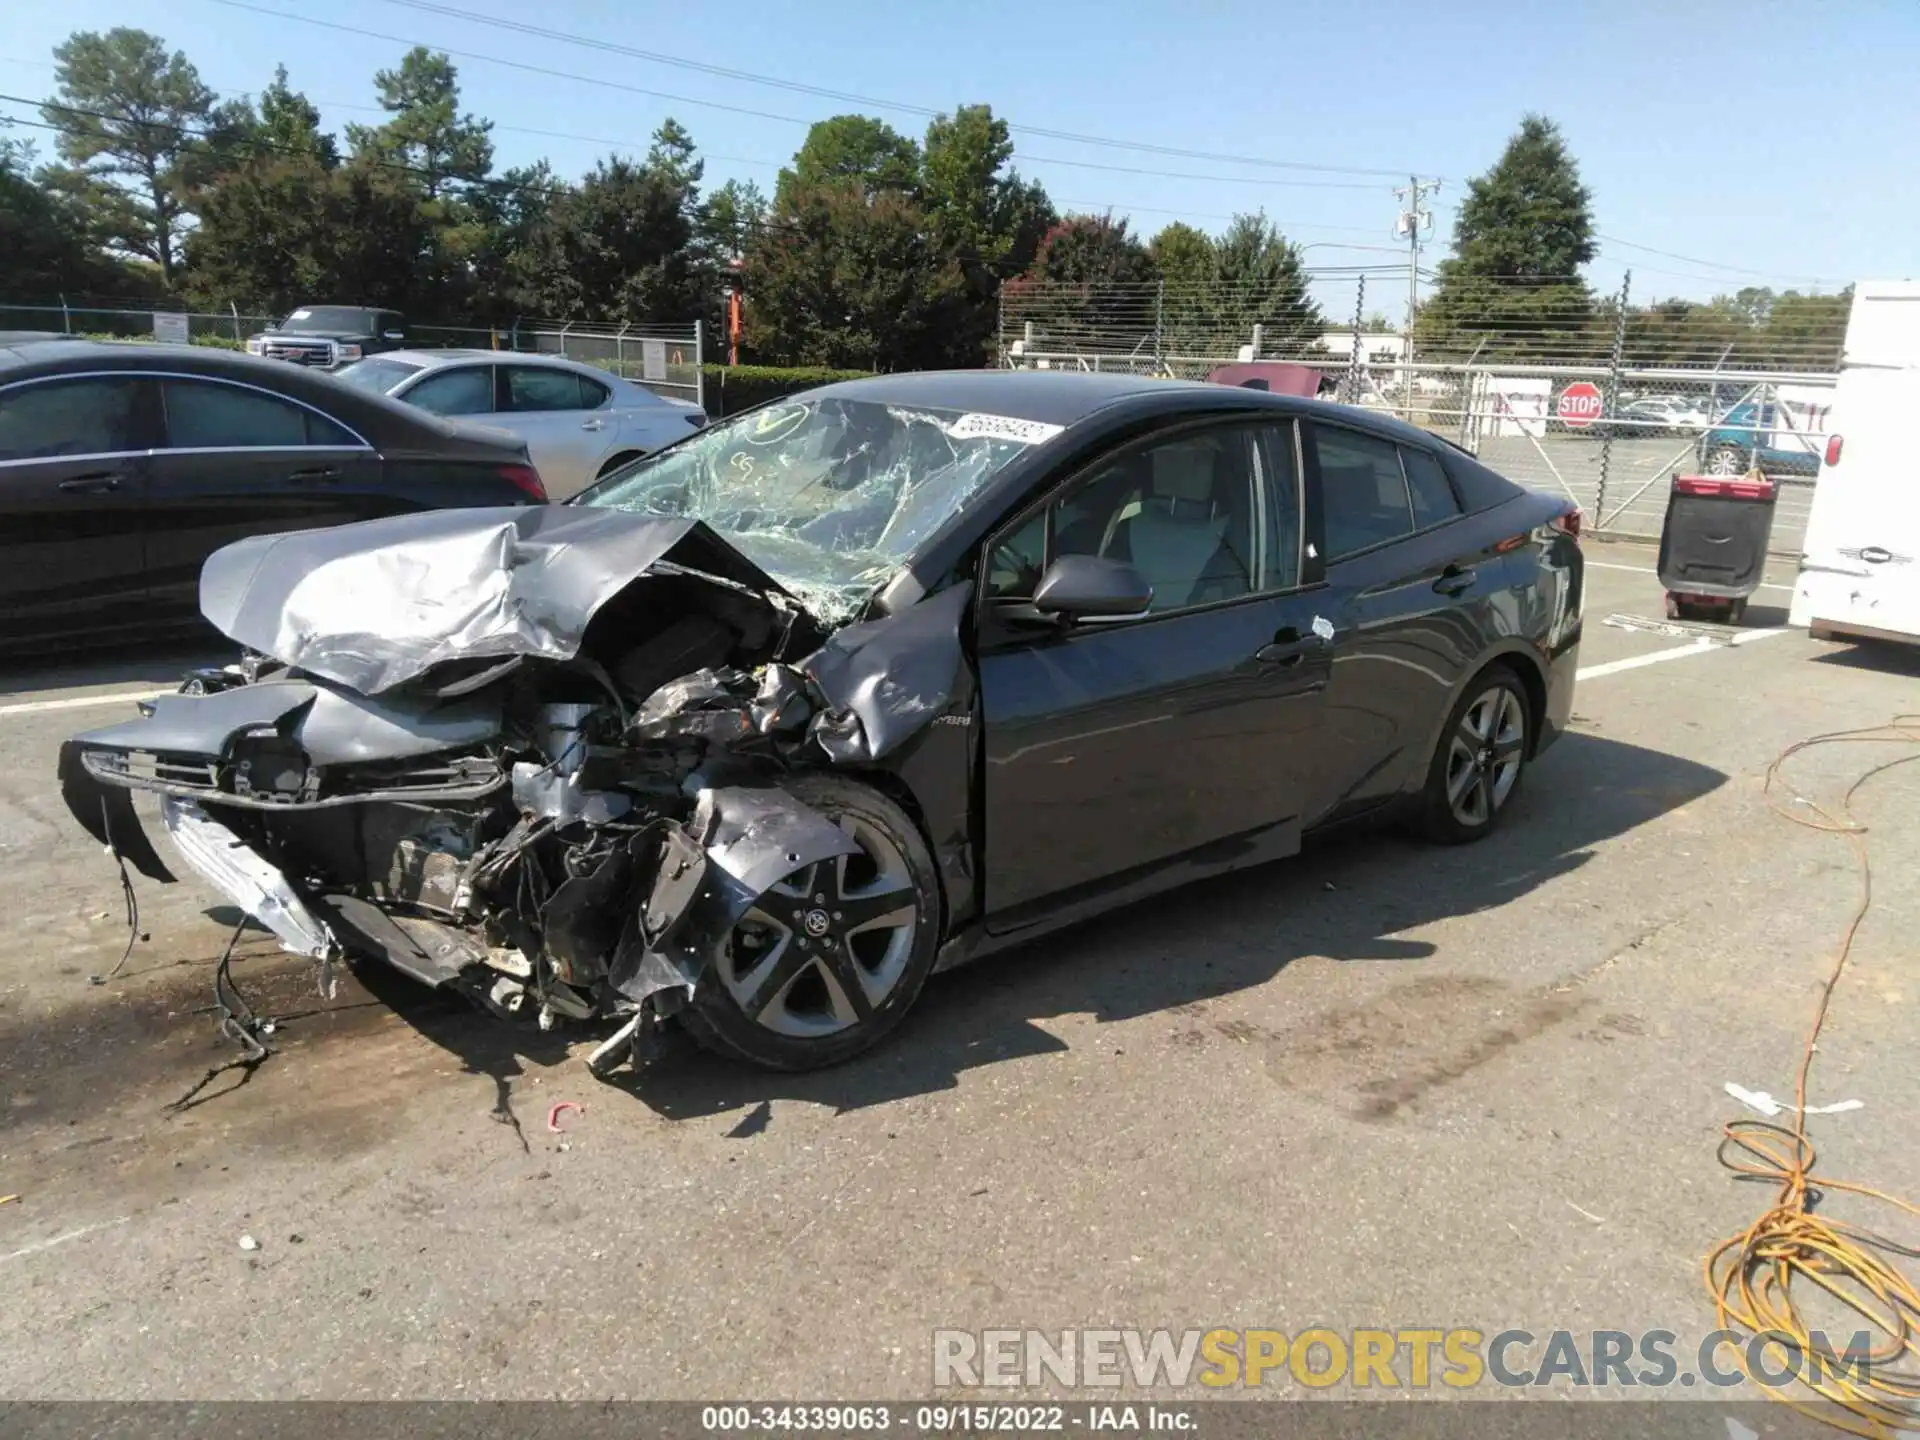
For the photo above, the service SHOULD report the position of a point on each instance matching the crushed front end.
(560, 820)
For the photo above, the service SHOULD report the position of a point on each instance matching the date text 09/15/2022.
(967, 1419)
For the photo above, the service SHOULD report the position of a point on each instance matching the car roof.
(436, 359)
(388, 425)
(1066, 398)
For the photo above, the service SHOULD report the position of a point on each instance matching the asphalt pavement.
(1383, 1084)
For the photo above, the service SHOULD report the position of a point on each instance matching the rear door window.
(204, 415)
(1363, 492)
(465, 390)
(92, 416)
(537, 388)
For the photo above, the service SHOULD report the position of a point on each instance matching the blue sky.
(1768, 143)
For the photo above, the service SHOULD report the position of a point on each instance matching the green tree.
(1185, 260)
(511, 210)
(128, 114)
(290, 123)
(282, 230)
(856, 148)
(843, 277)
(1091, 286)
(619, 246)
(980, 213)
(428, 134)
(1804, 332)
(1513, 285)
(1262, 282)
(45, 241)
(731, 216)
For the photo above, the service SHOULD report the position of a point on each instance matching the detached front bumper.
(238, 873)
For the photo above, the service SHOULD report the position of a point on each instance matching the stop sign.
(1579, 405)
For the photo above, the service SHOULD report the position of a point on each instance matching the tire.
(814, 1019)
(1727, 462)
(1478, 765)
(614, 462)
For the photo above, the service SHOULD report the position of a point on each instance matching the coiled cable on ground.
(1751, 1276)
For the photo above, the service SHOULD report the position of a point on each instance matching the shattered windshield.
(829, 496)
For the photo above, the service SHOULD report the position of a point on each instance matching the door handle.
(1288, 649)
(315, 475)
(1454, 581)
(102, 482)
(593, 424)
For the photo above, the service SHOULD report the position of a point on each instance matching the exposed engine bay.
(550, 777)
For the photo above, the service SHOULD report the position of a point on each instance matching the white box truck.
(1860, 566)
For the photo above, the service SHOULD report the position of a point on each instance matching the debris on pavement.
(559, 1108)
(1763, 1102)
(247, 1242)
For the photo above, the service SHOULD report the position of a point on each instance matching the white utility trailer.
(1860, 565)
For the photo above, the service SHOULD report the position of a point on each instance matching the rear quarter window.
(1480, 488)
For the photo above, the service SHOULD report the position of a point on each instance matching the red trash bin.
(1713, 544)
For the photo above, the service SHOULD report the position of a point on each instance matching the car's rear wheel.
(1727, 461)
(830, 959)
(1477, 766)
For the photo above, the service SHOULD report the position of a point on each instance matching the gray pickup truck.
(326, 337)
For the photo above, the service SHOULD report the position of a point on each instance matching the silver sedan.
(579, 422)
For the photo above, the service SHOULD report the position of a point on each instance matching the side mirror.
(1091, 587)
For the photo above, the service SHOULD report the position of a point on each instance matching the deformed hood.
(373, 605)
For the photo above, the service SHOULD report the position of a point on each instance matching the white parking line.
(81, 702)
(1678, 652)
(1642, 570)
(39, 1245)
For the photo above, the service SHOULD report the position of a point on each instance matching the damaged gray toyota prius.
(770, 725)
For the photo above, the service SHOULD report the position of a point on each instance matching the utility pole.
(1414, 218)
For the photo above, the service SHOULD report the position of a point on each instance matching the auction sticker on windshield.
(1002, 427)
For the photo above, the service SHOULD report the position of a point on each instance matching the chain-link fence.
(1592, 397)
(664, 358)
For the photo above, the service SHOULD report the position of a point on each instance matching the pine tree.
(1513, 285)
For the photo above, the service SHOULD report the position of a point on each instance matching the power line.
(491, 186)
(750, 77)
(1716, 265)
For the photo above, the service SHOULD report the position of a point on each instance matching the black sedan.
(773, 723)
(122, 467)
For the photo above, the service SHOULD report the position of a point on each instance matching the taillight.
(1714, 488)
(526, 478)
(1833, 449)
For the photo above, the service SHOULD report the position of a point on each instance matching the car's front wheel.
(829, 959)
(1477, 766)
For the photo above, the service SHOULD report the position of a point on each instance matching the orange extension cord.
(1750, 1276)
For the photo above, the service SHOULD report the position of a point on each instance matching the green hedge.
(217, 342)
(731, 389)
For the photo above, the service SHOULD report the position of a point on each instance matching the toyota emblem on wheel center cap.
(816, 923)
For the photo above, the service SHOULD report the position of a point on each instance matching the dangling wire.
(1750, 1275)
(128, 899)
(237, 1023)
